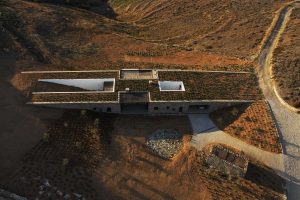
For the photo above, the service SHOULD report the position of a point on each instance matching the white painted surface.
(171, 86)
(87, 84)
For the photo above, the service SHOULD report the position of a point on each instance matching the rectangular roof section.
(198, 85)
(209, 86)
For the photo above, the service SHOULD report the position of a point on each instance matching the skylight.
(105, 85)
(171, 86)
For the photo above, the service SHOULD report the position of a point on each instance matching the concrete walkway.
(205, 132)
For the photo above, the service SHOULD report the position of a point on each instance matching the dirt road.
(287, 120)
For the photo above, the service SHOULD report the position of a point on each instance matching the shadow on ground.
(101, 7)
(22, 126)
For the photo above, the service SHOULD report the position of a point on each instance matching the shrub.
(234, 111)
(65, 163)
(66, 124)
(46, 137)
(97, 122)
(83, 112)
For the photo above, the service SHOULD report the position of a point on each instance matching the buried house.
(133, 91)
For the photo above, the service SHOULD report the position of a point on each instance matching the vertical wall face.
(186, 107)
(153, 107)
(86, 84)
(103, 107)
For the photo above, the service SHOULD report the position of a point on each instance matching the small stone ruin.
(227, 161)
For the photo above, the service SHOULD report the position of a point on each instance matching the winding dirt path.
(288, 121)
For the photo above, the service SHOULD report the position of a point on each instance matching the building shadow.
(286, 144)
(104, 9)
(222, 118)
(100, 7)
(154, 190)
(267, 178)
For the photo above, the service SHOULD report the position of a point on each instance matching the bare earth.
(22, 126)
(52, 37)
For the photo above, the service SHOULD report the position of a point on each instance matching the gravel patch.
(165, 142)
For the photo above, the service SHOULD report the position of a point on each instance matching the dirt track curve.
(287, 119)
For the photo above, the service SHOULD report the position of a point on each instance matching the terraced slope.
(210, 25)
(55, 34)
(72, 36)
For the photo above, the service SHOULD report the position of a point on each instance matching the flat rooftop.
(198, 86)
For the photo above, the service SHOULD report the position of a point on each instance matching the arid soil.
(107, 158)
(61, 38)
(22, 126)
(203, 25)
(200, 61)
(69, 150)
(286, 61)
(81, 153)
(251, 123)
(110, 160)
(49, 36)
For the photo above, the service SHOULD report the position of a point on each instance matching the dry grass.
(214, 85)
(106, 158)
(73, 38)
(252, 123)
(206, 85)
(67, 155)
(256, 178)
(286, 61)
(203, 25)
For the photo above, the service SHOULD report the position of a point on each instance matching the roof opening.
(131, 74)
(171, 86)
(104, 85)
